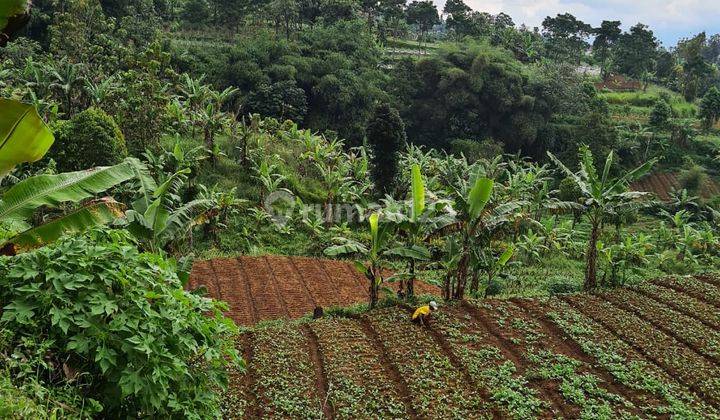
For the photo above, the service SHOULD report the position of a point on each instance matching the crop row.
(236, 402)
(358, 386)
(438, 389)
(694, 287)
(658, 392)
(582, 390)
(698, 309)
(685, 329)
(488, 366)
(688, 366)
(285, 384)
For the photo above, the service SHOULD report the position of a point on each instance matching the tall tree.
(458, 15)
(696, 71)
(636, 52)
(605, 37)
(566, 37)
(14, 15)
(424, 14)
(386, 135)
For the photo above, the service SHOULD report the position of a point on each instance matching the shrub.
(693, 178)
(94, 312)
(710, 108)
(563, 287)
(661, 114)
(91, 138)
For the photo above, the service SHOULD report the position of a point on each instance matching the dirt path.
(321, 383)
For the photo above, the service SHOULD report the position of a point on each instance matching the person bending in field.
(422, 314)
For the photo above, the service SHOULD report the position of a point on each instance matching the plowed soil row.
(275, 287)
(677, 359)
(661, 184)
(626, 353)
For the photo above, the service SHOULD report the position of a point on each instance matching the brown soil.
(661, 184)
(321, 382)
(548, 389)
(677, 335)
(559, 343)
(652, 294)
(692, 293)
(593, 311)
(273, 287)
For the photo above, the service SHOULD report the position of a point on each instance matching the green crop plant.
(602, 197)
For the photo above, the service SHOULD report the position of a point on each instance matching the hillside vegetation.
(311, 154)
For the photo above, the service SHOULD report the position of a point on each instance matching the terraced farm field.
(661, 184)
(649, 351)
(275, 287)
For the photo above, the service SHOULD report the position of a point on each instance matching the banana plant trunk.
(591, 258)
(458, 291)
(210, 144)
(410, 287)
(475, 284)
(372, 277)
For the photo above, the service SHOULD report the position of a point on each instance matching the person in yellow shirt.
(422, 314)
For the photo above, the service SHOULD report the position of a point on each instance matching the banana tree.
(602, 197)
(414, 224)
(472, 208)
(24, 137)
(158, 218)
(372, 255)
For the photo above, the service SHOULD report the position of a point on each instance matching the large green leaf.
(52, 190)
(374, 221)
(349, 247)
(146, 184)
(24, 137)
(96, 213)
(10, 8)
(505, 257)
(581, 183)
(183, 219)
(479, 196)
(418, 193)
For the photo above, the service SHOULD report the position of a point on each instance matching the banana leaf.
(479, 196)
(24, 137)
(20, 201)
(96, 213)
(418, 193)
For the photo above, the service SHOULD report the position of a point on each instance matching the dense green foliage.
(91, 138)
(274, 127)
(94, 312)
(386, 137)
